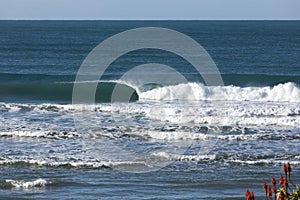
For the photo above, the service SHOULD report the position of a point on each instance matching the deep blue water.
(216, 140)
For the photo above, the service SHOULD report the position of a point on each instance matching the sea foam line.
(19, 184)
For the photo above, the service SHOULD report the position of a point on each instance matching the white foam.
(265, 161)
(29, 184)
(229, 160)
(185, 158)
(40, 134)
(287, 92)
(229, 113)
(204, 113)
(54, 108)
(76, 163)
(203, 136)
(196, 158)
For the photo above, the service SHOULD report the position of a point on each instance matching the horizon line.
(154, 19)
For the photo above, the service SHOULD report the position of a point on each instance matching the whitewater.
(285, 92)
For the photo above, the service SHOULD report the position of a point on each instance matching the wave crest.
(286, 92)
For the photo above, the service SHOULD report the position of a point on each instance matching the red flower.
(249, 195)
(269, 192)
(273, 181)
(289, 169)
(281, 181)
(285, 169)
(252, 196)
(264, 186)
(285, 183)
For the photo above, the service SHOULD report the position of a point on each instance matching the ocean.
(174, 138)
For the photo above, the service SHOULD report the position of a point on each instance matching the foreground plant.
(283, 192)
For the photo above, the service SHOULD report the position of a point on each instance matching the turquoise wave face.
(59, 92)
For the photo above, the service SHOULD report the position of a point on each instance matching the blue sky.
(149, 9)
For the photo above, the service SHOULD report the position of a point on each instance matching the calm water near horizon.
(219, 140)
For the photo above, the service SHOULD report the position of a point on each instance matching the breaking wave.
(191, 91)
(287, 92)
